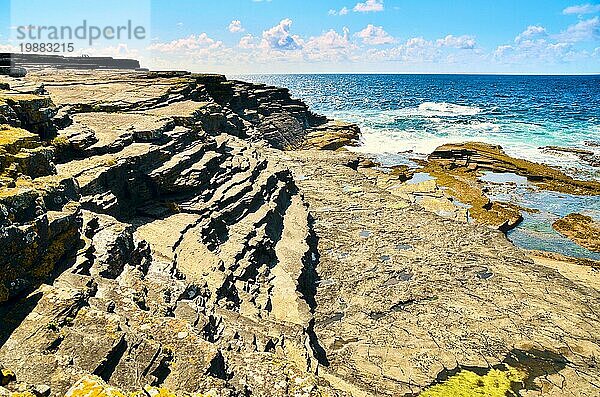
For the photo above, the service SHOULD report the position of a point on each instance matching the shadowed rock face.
(164, 242)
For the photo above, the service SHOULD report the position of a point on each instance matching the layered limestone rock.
(185, 257)
(405, 296)
(165, 243)
(474, 156)
(39, 212)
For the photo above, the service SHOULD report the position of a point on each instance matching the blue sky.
(343, 36)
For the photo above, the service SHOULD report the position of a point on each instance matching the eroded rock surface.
(164, 243)
(581, 229)
(473, 156)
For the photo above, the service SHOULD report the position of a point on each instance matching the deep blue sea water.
(417, 113)
(420, 112)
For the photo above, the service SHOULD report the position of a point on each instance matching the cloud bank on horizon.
(391, 36)
(373, 36)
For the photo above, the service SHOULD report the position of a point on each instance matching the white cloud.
(369, 6)
(375, 35)
(247, 42)
(190, 43)
(278, 49)
(342, 11)
(236, 26)
(464, 42)
(537, 51)
(502, 51)
(329, 46)
(587, 29)
(582, 9)
(414, 50)
(530, 32)
(330, 39)
(536, 45)
(279, 37)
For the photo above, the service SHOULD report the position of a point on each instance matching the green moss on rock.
(496, 383)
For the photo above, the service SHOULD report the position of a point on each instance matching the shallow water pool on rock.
(535, 232)
(419, 177)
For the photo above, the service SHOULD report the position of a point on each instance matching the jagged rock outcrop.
(174, 223)
(164, 243)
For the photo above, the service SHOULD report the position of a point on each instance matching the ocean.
(404, 116)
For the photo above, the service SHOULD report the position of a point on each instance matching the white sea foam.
(433, 111)
(381, 141)
(390, 132)
(420, 143)
(390, 140)
(445, 109)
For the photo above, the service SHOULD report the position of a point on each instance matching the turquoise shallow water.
(536, 232)
(404, 116)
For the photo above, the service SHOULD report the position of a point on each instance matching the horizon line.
(414, 73)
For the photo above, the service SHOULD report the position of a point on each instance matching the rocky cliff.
(166, 232)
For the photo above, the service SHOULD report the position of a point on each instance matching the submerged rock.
(585, 155)
(582, 229)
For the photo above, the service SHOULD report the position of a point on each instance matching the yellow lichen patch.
(22, 394)
(6, 376)
(93, 386)
(496, 383)
(12, 138)
(60, 141)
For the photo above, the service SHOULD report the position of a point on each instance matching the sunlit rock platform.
(183, 234)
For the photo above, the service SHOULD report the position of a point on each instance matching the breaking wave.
(445, 109)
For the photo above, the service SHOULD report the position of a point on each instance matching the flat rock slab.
(108, 90)
(393, 319)
(102, 132)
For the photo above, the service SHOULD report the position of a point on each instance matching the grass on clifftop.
(496, 383)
